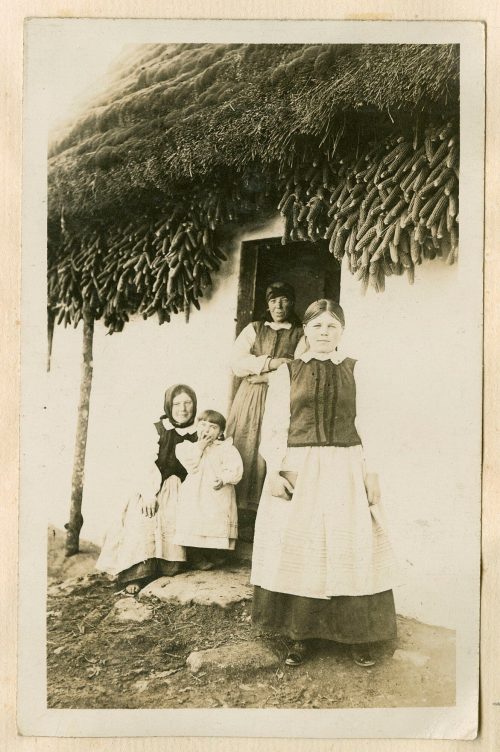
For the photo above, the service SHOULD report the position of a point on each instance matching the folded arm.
(243, 363)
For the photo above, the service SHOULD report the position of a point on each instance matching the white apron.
(327, 540)
(135, 537)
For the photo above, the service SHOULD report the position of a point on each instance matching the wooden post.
(50, 334)
(75, 523)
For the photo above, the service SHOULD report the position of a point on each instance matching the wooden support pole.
(75, 523)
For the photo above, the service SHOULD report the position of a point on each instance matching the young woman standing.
(322, 562)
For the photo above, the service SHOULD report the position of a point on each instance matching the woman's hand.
(281, 487)
(372, 486)
(275, 363)
(263, 378)
(149, 508)
(218, 483)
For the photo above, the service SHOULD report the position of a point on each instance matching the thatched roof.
(175, 113)
(354, 143)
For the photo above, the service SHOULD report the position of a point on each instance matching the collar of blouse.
(181, 430)
(276, 325)
(336, 356)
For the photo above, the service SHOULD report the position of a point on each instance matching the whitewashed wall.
(132, 369)
(423, 344)
(417, 340)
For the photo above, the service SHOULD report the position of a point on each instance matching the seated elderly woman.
(262, 347)
(322, 562)
(140, 546)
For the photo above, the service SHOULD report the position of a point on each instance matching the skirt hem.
(200, 541)
(344, 619)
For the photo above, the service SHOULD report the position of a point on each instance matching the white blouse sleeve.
(301, 347)
(276, 420)
(367, 416)
(243, 363)
(231, 464)
(189, 455)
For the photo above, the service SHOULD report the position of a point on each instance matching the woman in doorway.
(140, 547)
(262, 347)
(321, 562)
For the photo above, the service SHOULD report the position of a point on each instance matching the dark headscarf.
(170, 394)
(278, 289)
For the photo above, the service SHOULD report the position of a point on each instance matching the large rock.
(221, 587)
(244, 656)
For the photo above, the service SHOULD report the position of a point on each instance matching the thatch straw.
(178, 112)
(189, 139)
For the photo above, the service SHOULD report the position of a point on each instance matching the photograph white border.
(34, 718)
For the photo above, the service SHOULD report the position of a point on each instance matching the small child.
(207, 516)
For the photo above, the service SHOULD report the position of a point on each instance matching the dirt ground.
(94, 660)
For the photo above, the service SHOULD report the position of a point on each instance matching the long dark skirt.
(243, 425)
(347, 619)
(148, 569)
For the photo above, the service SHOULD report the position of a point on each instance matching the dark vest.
(275, 343)
(166, 462)
(322, 403)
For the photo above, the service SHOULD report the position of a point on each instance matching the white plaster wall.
(423, 345)
(132, 369)
(418, 342)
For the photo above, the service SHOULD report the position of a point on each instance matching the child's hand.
(218, 483)
(204, 441)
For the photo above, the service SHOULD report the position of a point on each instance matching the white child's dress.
(207, 518)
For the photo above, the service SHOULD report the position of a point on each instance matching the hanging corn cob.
(160, 263)
(387, 209)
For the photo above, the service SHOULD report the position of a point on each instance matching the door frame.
(247, 281)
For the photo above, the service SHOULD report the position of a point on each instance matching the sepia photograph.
(251, 434)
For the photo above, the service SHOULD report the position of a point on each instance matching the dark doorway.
(309, 267)
(313, 272)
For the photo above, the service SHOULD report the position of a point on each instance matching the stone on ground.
(409, 656)
(128, 609)
(244, 656)
(73, 584)
(221, 587)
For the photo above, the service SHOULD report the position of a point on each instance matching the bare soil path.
(105, 650)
